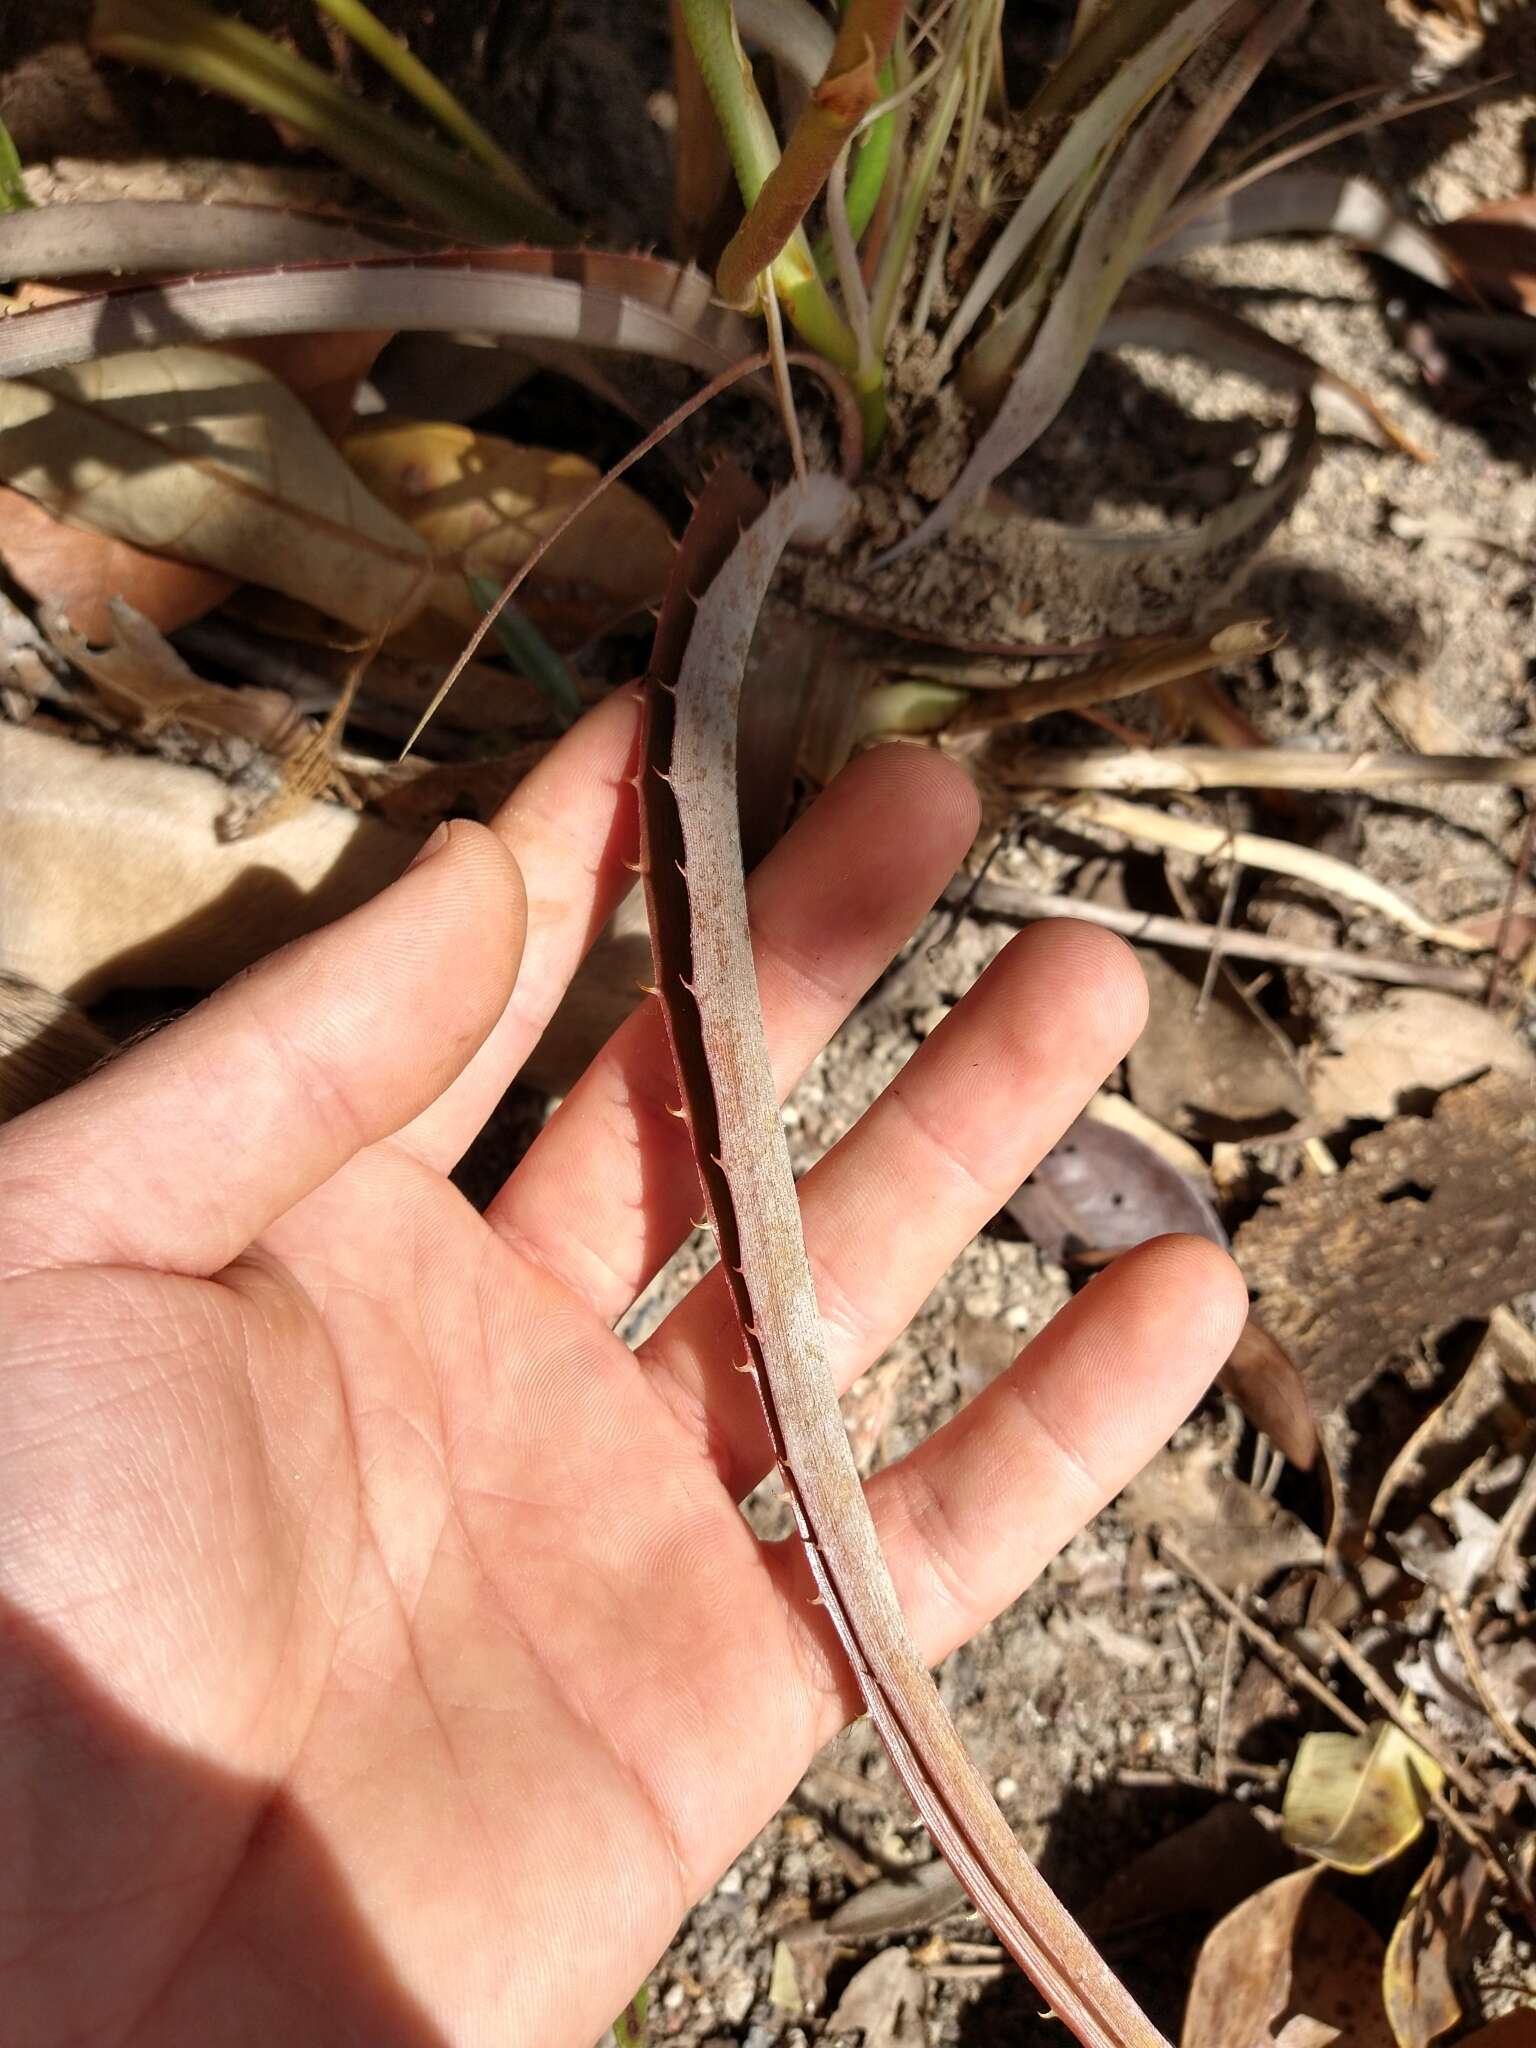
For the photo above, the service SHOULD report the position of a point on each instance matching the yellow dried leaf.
(207, 457)
(482, 503)
(1356, 1801)
(1416, 1982)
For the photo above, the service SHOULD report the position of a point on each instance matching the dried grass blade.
(1308, 203)
(1278, 856)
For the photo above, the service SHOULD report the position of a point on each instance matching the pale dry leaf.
(201, 454)
(1356, 1801)
(1409, 1048)
(482, 503)
(1235, 1534)
(884, 2002)
(112, 873)
(900, 1905)
(80, 571)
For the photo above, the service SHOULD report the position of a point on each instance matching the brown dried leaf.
(1432, 1221)
(1492, 1406)
(1356, 1801)
(1413, 1045)
(1495, 247)
(1236, 1535)
(145, 683)
(900, 1905)
(1266, 1383)
(1224, 1855)
(80, 571)
(1218, 1071)
(1515, 2029)
(482, 503)
(1290, 1965)
(45, 1044)
(201, 453)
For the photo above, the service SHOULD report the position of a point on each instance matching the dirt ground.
(1092, 1705)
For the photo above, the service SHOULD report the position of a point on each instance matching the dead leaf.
(146, 684)
(885, 2002)
(1515, 2029)
(79, 570)
(1409, 1048)
(784, 1980)
(46, 1044)
(115, 876)
(1226, 1854)
(1443, 1919)
(1356, 1801)
(1219, 1072)
(1117, 1178)
(1492, 1406)
(1101, 1187)
(1264, 1380)
(201, 453)
(1495, 247)
(899, 1905)
(1432, 1222)
(1236, 1535)
(481, 504)
(1292, 1965)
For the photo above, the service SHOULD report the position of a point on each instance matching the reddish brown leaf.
(1495, 247)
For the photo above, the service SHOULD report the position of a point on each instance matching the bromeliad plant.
(872, 218)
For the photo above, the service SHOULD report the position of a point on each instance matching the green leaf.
(531, 655)
(13, 194)
(629, 2027)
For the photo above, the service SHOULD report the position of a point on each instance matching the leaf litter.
(1399, 1376)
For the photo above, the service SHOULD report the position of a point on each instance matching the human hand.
(383, 1655)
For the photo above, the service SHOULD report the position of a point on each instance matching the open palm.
(383, 1655)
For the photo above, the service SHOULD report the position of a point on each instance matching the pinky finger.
(970, 1518)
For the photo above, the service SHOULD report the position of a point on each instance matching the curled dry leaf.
(203, 454)
(1112, 1182)
(1409, 1048)
(1444, 1922)
(1235, 1534)
(1356, 1801)
(482, 503)
(1491, 1407)
(1292, 1965)
(144, 683)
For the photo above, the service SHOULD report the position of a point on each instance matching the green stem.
(754, 151)
(185, 40)
(391, 54)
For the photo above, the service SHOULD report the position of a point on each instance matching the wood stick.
(1191, 768)
(1150, 827)
(1018, 900)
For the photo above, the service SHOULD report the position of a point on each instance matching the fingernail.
(434, 844)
